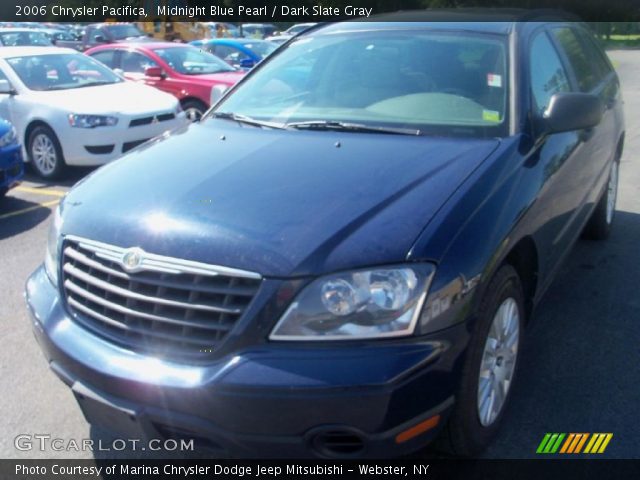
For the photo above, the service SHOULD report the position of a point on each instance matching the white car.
(70, 109)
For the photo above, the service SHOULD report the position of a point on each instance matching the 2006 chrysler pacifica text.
(342, 257)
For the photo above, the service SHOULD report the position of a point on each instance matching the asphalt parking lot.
(579, 372)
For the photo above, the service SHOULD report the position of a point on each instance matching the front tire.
(45, 153)
(490, 367)
(194, 110)
(601, 221)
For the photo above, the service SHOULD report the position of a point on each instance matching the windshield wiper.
(236, 117)
(350, 127)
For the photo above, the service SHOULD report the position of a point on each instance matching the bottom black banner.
(338, 470)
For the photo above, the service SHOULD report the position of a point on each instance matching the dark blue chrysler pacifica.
(342, 257)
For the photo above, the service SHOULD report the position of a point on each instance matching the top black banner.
(306, 10)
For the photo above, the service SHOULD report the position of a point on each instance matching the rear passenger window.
(547, 73)
(580, 58)
(106, 57)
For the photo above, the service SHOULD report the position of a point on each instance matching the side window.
(547, 73)
(107, 57)
(222, 50)
(579, 58)
(96, 32)
(134, 62)
(208, 48)
(600, 63)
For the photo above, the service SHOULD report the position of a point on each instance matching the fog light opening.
(338, 443)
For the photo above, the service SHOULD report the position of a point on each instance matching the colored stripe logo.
(574, 443)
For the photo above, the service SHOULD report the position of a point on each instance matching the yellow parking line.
(29, 209)
(42, 191)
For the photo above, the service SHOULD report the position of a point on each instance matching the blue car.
(240, 53)
(11, 165)
(344, 260)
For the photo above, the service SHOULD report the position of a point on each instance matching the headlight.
(92, 121)
(53, 247)
(8, 138)
(375, 303)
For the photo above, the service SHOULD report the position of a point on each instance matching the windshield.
(15, 39)
(434, 82)
(191, 61)
(61, 71)
(120, 32)
(262, 49)
(66, 36)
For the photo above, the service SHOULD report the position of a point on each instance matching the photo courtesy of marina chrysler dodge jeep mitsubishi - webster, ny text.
(342, 257)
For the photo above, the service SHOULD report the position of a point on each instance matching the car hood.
(279, 203)
(127, 98)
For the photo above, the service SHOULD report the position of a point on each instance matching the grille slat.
(154, 281)
(169, 307)
(137, 313)
(129, 328)
(105, 285)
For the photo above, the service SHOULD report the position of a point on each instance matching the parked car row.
(69, 109)
(189, 74)
(73, 108)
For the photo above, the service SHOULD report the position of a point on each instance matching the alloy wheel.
(43, 153)
(193, 114)
(498, 361)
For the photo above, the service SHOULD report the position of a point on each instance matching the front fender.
(474, 232)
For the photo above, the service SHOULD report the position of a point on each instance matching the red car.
(192, 75)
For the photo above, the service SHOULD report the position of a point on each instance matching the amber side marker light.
(418, 429)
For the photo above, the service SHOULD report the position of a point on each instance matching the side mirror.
(154, 72)
(247, 63)
(216, 93)
(100, 39)
(6, 88)
(118, 71)
(572, 111)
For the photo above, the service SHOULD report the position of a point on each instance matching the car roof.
(233, 41)
(10, 52)
(482, 20)
(142, 45)
(20, 30)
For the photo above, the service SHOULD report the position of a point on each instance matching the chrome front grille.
(171, 308)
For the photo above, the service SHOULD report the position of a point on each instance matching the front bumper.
(97, 146)
(273, 400)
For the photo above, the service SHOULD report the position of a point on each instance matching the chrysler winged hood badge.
(132, 259)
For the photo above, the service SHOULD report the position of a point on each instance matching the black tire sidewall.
(467, 436)
(598, 228)
(194, 104)
(57, 171)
